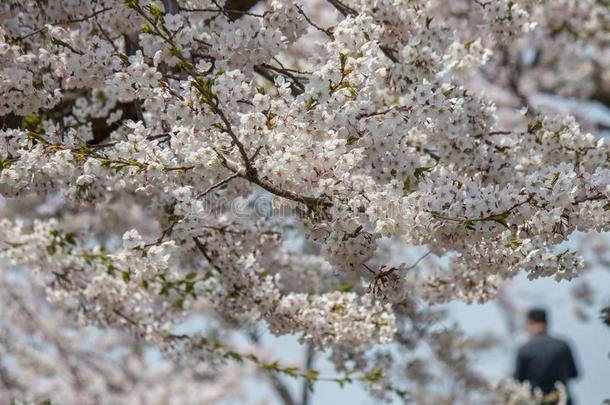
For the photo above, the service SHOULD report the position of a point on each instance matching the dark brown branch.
(171, 6)
(250, 170)
(264, 70)
(598, 197)
(325, 31)
(204, 252)
(343, 9)
(291, 195)
(237, 8)
(66, 22)
(217, 185)
(218, 11)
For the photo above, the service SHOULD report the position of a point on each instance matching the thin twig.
(66, 22)
(217, 185)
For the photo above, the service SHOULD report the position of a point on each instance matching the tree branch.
(309, 357)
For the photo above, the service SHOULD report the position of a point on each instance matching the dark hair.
(537, 315)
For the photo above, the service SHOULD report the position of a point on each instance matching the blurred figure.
(544, 360)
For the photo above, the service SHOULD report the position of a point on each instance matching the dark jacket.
(545, 360)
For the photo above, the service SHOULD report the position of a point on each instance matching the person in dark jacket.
(544, 360)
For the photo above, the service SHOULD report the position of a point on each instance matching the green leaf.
(310, 385)
(357, 231)
(291, 371)
(31, 122)
(401, 393)
(406, 186)
(179, 303)
(428, 21)
(352, 138)
(555, 178)
(271, 366)
(235, 356)
(420, 171)
(154, 10)
(501, 219)
(513, 244)
(343, 59)
(311, 103)
(184, 65)
(344, 287)
(311, 375)
(469, 225)
(132, 4)
(146, 28)
(374, 375)
(533, 127)
(71, 238)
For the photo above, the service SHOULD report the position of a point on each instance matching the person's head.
(536, 321)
